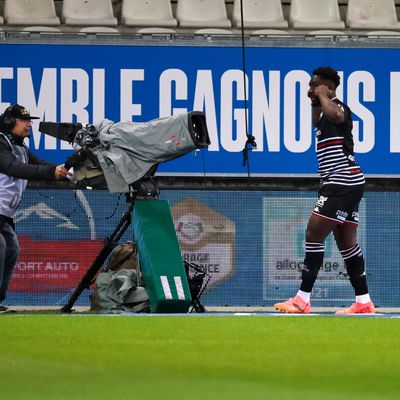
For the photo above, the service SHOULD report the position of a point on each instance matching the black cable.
(244, 66)
(116, 206)
(250, 142)
(60, 206)
(78, 205)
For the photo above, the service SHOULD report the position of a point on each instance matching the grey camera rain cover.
(128, 150)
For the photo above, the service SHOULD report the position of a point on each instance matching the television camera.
(118, 155)
(122, 157)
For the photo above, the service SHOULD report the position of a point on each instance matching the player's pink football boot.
(295, 305)
(358, 308)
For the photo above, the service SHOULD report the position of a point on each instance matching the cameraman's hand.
(61, 172)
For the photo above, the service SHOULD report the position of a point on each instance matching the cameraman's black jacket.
(17, 165)
(36, 169)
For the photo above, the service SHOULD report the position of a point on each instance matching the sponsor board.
(206, 238)
(57, 243)
(285, 220)
(52, 266)
(140, 83)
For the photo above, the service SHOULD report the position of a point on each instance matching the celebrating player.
(341, 190)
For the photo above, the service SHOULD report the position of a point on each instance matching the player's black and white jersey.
(335, 151)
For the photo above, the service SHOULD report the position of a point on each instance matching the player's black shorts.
(339, 203)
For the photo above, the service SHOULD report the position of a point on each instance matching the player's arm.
(331, 109)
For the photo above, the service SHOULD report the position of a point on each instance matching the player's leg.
(346, 240)
(318, 229)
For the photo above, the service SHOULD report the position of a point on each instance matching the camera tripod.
(109, 244)
(195, 281)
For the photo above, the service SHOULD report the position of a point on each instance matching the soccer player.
(341, 190)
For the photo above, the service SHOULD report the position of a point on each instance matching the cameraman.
(17, 166)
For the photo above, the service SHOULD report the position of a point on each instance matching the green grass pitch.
(207, 357)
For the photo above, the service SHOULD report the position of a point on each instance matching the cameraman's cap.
(20, 112)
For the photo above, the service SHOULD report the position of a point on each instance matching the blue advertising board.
(251, 243)
(87, 83)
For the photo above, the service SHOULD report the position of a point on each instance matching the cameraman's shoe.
(3, 308)
(358, 308)
(295, 305)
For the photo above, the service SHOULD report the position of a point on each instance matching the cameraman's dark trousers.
(9, 252)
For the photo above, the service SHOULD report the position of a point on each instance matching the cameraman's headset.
(7, 120)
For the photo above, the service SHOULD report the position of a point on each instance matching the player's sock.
(363, 299)
(354, 260)
(304, 295)
(312, 263)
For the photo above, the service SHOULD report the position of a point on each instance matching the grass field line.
(210, 310)
(195, 315)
